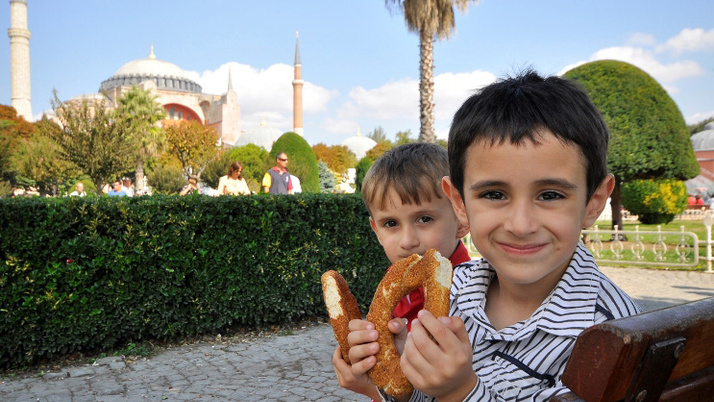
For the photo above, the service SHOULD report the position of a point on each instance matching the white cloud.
(451, 90)
(689, 40)
(698, 117)
(398, 101)
(391, 100)
(641, 39)
(264, 93)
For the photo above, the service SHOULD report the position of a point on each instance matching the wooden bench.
(661, 355)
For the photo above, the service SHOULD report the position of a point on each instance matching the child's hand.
(346, 379)
(398, 326)
(441, 367)
(363, 346)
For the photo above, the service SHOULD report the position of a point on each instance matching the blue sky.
(360, 63)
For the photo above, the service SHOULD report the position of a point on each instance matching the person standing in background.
(277, 179)
(233, 183)
(78, 190)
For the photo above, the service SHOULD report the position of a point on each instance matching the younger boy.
(409, 213)
(528, 171)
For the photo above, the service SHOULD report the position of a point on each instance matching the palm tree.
(140, 113)
(430, 19)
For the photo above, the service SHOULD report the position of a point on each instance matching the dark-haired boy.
(528, 171)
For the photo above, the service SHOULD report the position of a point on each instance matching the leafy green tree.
(378, 150)
(253, 159)
(141, 113)
(166, 179)
(362, 168)
(404, 137)
(430, 19)
(194, 144)
(648, 136)
(327, 178)
(338, 158)
(38, 160)
(303, 162)
(216, 168)
(91, 139)
(13, 130)
(378, 134)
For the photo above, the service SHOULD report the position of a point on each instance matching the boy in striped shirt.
(528, 171)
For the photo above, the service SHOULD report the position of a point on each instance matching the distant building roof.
(704, 140)
(262, 136)
(166, 75)
(359, 145)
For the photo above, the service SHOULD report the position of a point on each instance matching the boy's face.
(405, 229)
(525, 206)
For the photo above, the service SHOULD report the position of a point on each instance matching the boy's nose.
(521, 219)
(409, 238)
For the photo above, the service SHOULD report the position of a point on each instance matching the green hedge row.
(81, 274)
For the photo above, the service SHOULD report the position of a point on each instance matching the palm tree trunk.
(426, 87)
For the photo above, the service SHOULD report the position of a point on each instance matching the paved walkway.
(293, 367)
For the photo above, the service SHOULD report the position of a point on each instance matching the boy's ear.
(598, 200)
(457, 203)
(374, 229)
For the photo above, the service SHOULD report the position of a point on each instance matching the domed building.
(181, 97)
(359, 145)
(703, 144)
(262, 136)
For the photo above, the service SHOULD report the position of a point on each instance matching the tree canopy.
(140, 113)
(91, 139)
(648, 136)
(193, 144)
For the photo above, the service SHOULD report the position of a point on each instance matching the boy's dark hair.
(413, 170)
(516, 109)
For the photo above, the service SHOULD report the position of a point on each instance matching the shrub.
(166, 179)
(327, 178)
(362, 168)
(82, 274)
(655, 201)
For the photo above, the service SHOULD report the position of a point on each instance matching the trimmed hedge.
(81, 274)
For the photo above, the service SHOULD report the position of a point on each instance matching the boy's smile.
(526, 205)
(405, 229)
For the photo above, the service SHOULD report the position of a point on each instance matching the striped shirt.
(525, 362)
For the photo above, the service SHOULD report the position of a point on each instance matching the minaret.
(20, 59)
(297, 91)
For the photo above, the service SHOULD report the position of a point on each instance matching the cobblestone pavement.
(293, 367)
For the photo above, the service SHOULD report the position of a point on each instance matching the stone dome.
(165, 75)
(704, 140)
(262, 136)
(359, 145)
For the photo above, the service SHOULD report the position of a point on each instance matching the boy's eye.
(550, 196)
(425, 219)
(493, 195)
(390, 224)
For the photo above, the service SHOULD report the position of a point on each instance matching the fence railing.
(651, 248)
(636, 247)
